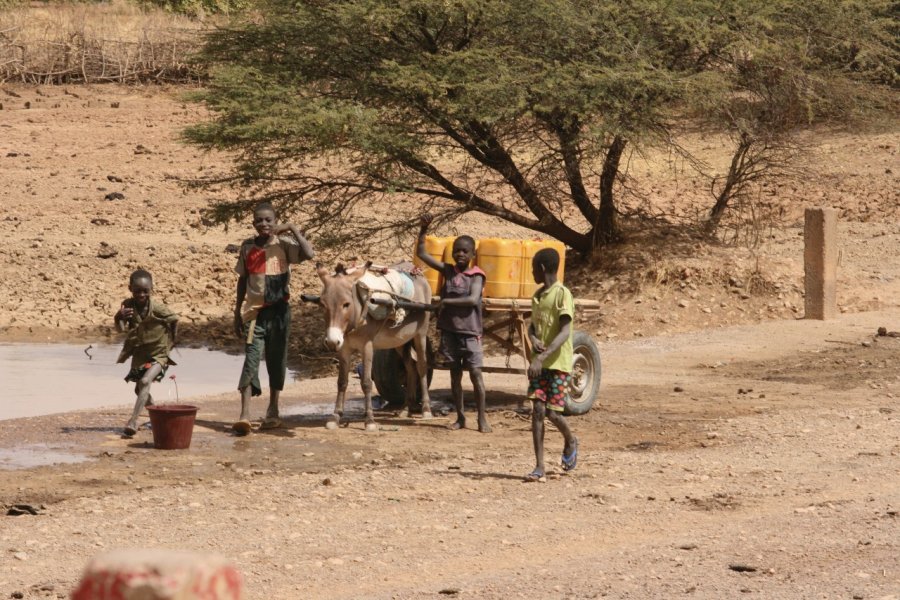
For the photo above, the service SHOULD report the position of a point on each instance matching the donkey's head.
(343, 310)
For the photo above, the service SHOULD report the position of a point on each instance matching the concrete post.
(820, 255)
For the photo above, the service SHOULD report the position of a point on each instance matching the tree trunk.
(606, 229)
(732, 181)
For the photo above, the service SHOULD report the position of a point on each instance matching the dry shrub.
(120, 42)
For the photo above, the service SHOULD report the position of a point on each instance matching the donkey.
(350, 328)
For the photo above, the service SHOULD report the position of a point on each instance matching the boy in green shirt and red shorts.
(549, 374)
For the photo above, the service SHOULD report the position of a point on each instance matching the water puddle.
(43, 379)
(37, 455)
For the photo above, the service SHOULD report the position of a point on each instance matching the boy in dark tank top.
(459, 321)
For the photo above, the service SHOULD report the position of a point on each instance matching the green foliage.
(195, 8)
(509, 107)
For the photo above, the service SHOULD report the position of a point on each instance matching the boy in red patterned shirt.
(262, 316)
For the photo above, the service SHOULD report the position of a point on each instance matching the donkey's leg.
(343, 378)
(366, 382)
(412, 380)
(420, 341)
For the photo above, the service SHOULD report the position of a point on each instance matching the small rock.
(683, 303)
(21, 509)
(232, 248)
(20, 556)
(114, 178)
(327, 481)
(742, 568)
(677, 388)
(449, 591)
(114, 196)
(141, 149)
(106, 251)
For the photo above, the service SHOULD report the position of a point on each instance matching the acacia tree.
(520, 110)
(785, 66)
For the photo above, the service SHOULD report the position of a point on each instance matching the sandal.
(571, 461)
(536, 475)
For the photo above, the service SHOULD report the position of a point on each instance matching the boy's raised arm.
(425, 221)
(122, 315)
(306, 249)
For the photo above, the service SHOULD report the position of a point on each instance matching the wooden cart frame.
(506, 324)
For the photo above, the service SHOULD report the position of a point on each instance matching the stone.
(158, 575)
(106, 251)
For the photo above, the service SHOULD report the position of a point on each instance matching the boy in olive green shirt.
(550, 333)
(151, 328)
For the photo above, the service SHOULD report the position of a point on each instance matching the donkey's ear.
(358, 272)
(340, 270)
(321, 271)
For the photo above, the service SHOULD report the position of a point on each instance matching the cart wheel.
(389, 376)
(585, 374)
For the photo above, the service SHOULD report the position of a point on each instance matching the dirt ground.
(735, 450)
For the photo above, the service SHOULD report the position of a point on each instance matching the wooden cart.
(506, 323)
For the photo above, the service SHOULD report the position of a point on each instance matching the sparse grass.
(75, 42)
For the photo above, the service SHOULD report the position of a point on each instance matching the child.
(262, 317)
(151, 327)
(550, 333)
(459, 320)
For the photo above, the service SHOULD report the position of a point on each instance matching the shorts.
(136, 373)
(461, 351)
(552, 387)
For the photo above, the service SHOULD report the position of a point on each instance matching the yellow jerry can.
(501, 261)
(529, 249)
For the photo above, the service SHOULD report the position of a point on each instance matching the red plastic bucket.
(172, 425)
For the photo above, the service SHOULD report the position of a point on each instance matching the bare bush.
(118, 42)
